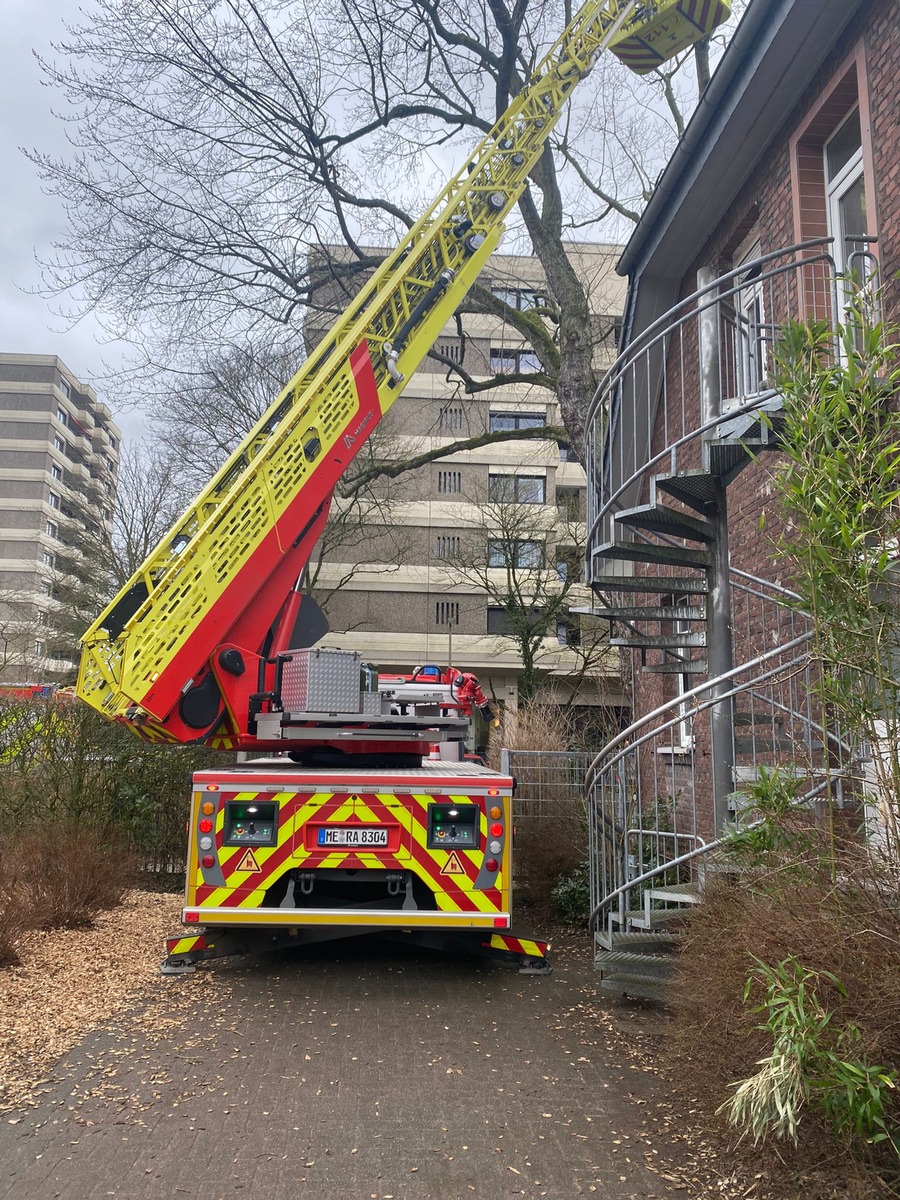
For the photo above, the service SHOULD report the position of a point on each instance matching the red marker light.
(501, 923)
(206, 826)
(208, 861)
(212, 787)
(497, 830)
(491, 864)
(191, 918)
(493, 791)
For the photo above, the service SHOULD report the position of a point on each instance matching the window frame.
(520, 420)
(499, 481)
(496, 551)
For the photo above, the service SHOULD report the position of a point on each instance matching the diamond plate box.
(321, 680)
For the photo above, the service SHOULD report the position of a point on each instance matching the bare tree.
(21, 633)
(526, 557)
(219, 149)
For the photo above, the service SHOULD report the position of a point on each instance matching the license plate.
(353, 835)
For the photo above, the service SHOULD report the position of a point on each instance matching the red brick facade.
(783, 202)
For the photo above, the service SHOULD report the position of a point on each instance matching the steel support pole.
(718, 619)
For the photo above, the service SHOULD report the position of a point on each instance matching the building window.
(566, 453)
(446, 612)
(40, 616)
(498, 622)
(59, 442)
(62, 416)
(682, 732)
(56, 471)
(64, 388)
(46, 587)
(113, 442)
(515, 553)
(745, 352)
(449, 482)
(451, 419)
(447, 547)
(570, 503)
(51, 529)
(517, 489)
(48, 559)
(568, 634)
(513, 362)
(568, 564)
(54, 500)
(833, 175)
(39, 649)
(521, 299)
(502, 422)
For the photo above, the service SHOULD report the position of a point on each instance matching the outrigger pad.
(529, 953)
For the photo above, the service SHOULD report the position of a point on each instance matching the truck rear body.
(276, 844)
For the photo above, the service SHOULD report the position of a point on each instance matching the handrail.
(679, 701)
(665, 321)
(752, 405)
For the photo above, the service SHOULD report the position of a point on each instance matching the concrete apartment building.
(59, 455)
(420, 573)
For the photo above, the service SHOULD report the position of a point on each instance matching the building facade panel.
(58, 456)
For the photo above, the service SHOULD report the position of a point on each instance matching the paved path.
(351, 1072)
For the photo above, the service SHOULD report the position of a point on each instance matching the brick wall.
(783, 200)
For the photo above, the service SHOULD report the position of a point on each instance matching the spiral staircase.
(721, 672)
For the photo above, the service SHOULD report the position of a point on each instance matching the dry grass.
(550, 843)
(849, 928)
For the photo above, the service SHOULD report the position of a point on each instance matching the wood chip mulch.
(72, 980)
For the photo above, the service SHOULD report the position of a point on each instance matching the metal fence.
(549, 783)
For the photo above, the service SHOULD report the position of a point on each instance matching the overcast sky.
(30, 221)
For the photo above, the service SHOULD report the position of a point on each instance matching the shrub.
(64, 873)
(813, 1061)
(572, 895)
(793, 919)
(12, 918)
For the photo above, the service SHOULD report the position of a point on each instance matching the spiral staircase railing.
(679, 415)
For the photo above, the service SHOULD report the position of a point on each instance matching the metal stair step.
(646, 937)
(749, 424)
(639, 919)
(759, 742)
(658, 518)
(726, 459)
(697, 489)
(690, 666)
(673, 556)
(682, 893)
(651, 612)
(645, 988)
(662, 641)
(639, 939)
(676, 585)
(618, 962)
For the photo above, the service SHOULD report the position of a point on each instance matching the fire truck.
(346, 823)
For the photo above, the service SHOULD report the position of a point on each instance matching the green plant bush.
(61, 761)
(814, 1061)
(572, 895)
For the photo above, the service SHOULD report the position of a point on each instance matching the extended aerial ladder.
(189, 649)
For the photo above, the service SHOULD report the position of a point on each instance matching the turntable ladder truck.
(213, 641)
